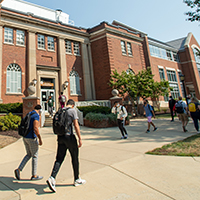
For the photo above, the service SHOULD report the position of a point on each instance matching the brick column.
(1, 42)
(29, 104)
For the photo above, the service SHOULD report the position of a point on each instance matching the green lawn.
(187, 147)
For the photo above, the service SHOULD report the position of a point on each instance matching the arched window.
(74, 83)
(130, 71)
(13, 84)
(197, 58)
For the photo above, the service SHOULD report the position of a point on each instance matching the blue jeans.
(195, 116)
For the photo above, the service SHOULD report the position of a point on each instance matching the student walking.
(194, 108)
(68, 142)
(149, 114)
(50, 103)
(181, 109)
(32, 145)
(171, 107)
(62, 99)
(121, 116)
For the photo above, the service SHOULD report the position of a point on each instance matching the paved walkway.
(113, 168)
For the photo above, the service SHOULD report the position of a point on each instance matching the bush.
(112, 118)
(96, 117)
(9, 122)
(11, 107)
(94, 109)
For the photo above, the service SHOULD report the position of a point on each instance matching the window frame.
(8, 30)
(123, 47)
(68, 43)
(74, 81)
(76, 48)
(50, 43)
(42, 45)
(21, 37)
(13, 79)
(129, 49)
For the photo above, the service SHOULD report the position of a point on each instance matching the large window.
(50, 43)
(197, 58)
(76, 48)
(8, 35)
(20, 37)
(13, 84)
(41, 43)
(171, 75)
(123, 46)
(68, 46)
(74, 83)
(163, 53)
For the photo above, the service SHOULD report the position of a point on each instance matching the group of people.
(184, 110)
(65, 142)
(33, 139)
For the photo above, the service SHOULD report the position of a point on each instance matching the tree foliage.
(194, 14)
(138, 85)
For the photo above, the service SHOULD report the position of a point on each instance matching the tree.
(138, 85)
(194, 14)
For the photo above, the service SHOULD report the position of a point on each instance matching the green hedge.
(9, 122)
(94, 109)
(11, 107)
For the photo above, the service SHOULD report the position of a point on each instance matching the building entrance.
(47, 89)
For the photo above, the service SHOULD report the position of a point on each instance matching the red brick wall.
(75, 63)
(46, 57)
(18, 55)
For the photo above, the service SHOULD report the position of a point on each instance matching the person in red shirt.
(62, 99)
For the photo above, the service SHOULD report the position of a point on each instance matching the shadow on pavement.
(11, 184)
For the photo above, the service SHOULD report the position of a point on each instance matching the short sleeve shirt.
(72, 115)
(34, 117)
(148, 110)
(50, 102)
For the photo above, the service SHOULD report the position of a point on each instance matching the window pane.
(8, 35)
(76, 48)
(123, 47)
(41, 44)
(20, 37)
(68, 46)
(129, 49)
(50, 44)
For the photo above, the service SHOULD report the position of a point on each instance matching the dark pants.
(172, 114)
(195, 116)
(64, 143)
(121, 126)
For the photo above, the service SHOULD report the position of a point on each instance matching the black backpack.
(149, 106)
(179, 107)
(23, 128)
(60, 122)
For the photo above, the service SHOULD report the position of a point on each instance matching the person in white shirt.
(121, 116)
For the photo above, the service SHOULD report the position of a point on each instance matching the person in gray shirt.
(68, 141)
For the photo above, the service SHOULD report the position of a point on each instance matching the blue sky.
(160, 19)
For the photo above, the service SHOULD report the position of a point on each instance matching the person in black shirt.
(171, 106)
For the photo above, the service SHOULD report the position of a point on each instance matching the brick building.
(37, 43)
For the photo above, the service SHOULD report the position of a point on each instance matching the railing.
(95, 103)
(43, 115)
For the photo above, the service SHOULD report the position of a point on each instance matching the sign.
(47, 84)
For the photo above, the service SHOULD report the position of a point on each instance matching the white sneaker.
(198, 132)
(122, 137)
(51, 183)
(79, 181)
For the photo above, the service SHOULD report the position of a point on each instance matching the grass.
(187, 147)
(167, 115)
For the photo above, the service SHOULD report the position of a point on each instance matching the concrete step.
(48, 121)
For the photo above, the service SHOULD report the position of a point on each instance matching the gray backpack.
(63, 99)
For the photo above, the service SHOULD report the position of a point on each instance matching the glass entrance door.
(45, 93)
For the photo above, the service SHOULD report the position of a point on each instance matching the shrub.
(9, 122)
(94, 109)
(112, 118)
(96, 117)
(11, 107)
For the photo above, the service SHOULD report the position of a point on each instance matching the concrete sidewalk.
(113, 168)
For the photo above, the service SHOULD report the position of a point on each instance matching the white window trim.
(172, 69)
(160, 67)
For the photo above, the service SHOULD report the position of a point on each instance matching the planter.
(101, 124)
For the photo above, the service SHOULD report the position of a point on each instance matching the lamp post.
(182, 77)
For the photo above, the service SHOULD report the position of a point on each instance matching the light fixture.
(182, 77)
(34, 81)
(65, 84)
